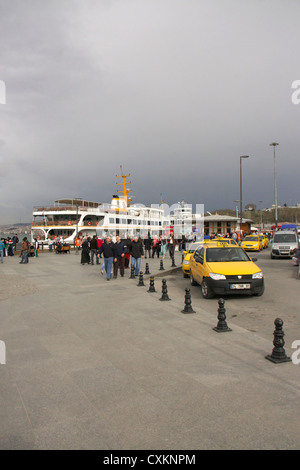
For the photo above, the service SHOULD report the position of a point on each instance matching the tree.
(250, 207)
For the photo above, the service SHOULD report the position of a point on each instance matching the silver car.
(284, 243)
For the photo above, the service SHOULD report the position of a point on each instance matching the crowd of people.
(116, 254)
(8, 246)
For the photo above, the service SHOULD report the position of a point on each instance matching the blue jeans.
(136, 263)
(108, 262)
(24, 258)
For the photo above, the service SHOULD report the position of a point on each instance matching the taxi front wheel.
(206, 290)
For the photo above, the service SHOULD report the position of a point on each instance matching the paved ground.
(92, 364)
(257, 314)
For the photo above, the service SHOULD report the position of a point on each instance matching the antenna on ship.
(125, 191)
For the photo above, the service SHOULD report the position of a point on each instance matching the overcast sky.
(174, 90)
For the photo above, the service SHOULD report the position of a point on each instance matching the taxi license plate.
(239, 286)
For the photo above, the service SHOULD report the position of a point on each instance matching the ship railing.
(68, 208)
(66, 223)
(49, 223)
(54, 208)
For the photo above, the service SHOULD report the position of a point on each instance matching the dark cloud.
(175, 91)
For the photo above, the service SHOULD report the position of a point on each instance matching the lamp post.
(241, 193)
(260, 202)
(273, 144)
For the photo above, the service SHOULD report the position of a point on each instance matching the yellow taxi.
(221, 270)
(252, 243)
(188, 253)
(195, 245)
(263, 240)
(267, 240)
(227, 241)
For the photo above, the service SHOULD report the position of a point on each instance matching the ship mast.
(125, 191)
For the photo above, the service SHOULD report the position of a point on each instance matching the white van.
(283, 244)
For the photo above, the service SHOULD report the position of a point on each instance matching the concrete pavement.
(92, 364)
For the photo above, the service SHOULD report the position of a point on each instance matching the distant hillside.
(21, 225)
(285, 214)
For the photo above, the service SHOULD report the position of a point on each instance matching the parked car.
(223, 270)
(284, 244)
(194, 246)
(252, 243)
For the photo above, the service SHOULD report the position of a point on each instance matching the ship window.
(111, 220)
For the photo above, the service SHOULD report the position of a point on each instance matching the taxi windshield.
(225, 255)
(250, 239)
(193, 247)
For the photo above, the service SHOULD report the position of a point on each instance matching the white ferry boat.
(68, 218)
(186, 222)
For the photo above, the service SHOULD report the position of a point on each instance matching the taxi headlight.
(186, 262)
(217, 277)
(258, 275)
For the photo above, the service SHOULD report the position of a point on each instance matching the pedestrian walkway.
(97, 365)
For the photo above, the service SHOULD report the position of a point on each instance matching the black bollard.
(278, 354)
(147, 269)
(164, 291)
(222, 325)
(132, 276)
(161, 265)
(187, 302)
(151, 287)
(141, 280)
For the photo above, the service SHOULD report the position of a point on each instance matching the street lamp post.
(273, 144)
(260, 202)
(241, 193)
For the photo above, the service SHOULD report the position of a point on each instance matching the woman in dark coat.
(85, 253)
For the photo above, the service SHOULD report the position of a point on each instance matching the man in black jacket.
(109, 253)
(119, 260)
(137, 252)
(94, 249)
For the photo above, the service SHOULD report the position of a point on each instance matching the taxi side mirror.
(185, 252)
(254, 259)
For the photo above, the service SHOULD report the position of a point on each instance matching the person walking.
(10, 251)
(147, 246)
(171, 247)
(136, 252)
(127, 252)
(163, 247)
(15, 240)
(36, 247)
(2, 248)
(77, 244)
(99, 244)
(155, 247)
(119, 260)
(94, 249)
(85, 253)
(24, 251)
(109, 253)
